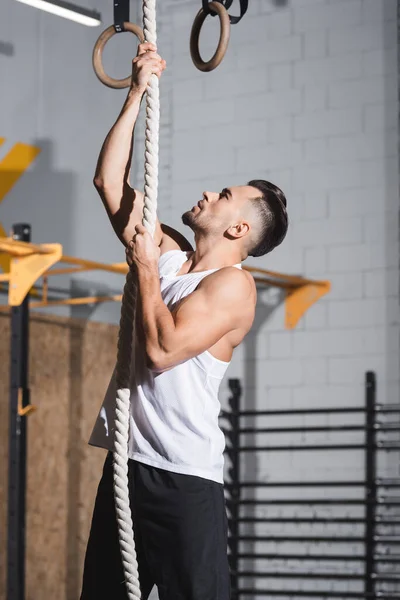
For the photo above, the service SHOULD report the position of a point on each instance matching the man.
(194, 307)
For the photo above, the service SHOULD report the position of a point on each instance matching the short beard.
(189, 219)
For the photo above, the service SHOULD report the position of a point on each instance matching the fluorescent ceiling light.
(91, 18)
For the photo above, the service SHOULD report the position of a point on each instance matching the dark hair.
(271, 209)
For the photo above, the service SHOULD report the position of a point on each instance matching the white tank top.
(174, 414)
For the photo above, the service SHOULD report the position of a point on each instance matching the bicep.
(125, 211)
(124, 206)
(219, 306)
(200, 323)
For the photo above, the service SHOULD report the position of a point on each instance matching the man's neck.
(210, 255)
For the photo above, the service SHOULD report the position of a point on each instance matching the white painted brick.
(390, 197)
(380, 62)
(241, 134)
(283, 179)
(392, 339)
(280, 77)
(182, 15)
(301, 3)
(271, 51)
(316, 205)
(315, 44)
(282, 260)
(322, 16)
(271, 157)
(315, 98)
(327, 122)
(278, 22)
(179, 41)
(373, 11)
(360, 38)
(378, 227)
(316, 317)
(380, 258)
(280, 130)
(381, 283)
(328, 232)
(392, 282)
(340, 342)
(214, 158)
(349, 258)
(219, 85)
(356, 313)
(251, 28)
(360, 147)
(277, 397)
(280, 373)
(296, 208)
(316, 151)
(270, 105)
(182, 67)
(370, 90)
(335, 394)
(325, 70)
(212, 113)
(342, 175)
(315, 371)
(315, 260)
(280, 345)
(351, 370)
(346, 286)
(378, 117)
(355, 202)
(186, 92)
(387, 172)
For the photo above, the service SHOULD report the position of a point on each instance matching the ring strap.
(121, 14)
(244, 4)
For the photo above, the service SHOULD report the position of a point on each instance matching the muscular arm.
(124, 205)
(222, 303)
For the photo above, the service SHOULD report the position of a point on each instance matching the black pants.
(180, 528)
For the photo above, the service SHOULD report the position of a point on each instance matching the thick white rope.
(127, 323)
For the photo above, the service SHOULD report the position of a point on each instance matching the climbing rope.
(126, 339)
(126, 332)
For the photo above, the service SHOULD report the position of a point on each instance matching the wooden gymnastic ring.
(225, 27)
(98, 55)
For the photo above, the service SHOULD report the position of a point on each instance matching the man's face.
(218, 211)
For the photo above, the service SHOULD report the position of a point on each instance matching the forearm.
(115, 156)
(157, 322)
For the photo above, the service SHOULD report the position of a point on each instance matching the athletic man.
(194, 307)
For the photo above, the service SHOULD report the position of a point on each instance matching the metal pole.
(371, 488)
(17, 440)
(234, 488)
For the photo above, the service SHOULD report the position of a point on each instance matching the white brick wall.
(307, 97)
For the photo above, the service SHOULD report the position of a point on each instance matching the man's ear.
(238, 230)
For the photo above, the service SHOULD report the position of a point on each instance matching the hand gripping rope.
(126, 331)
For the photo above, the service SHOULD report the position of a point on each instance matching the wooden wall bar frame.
(29, 262)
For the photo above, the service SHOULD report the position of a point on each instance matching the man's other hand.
(142, 252)
(146, 63)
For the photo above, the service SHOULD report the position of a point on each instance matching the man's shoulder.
(231, 283)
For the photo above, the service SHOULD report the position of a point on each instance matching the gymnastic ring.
(108, 33)
(225, 27)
